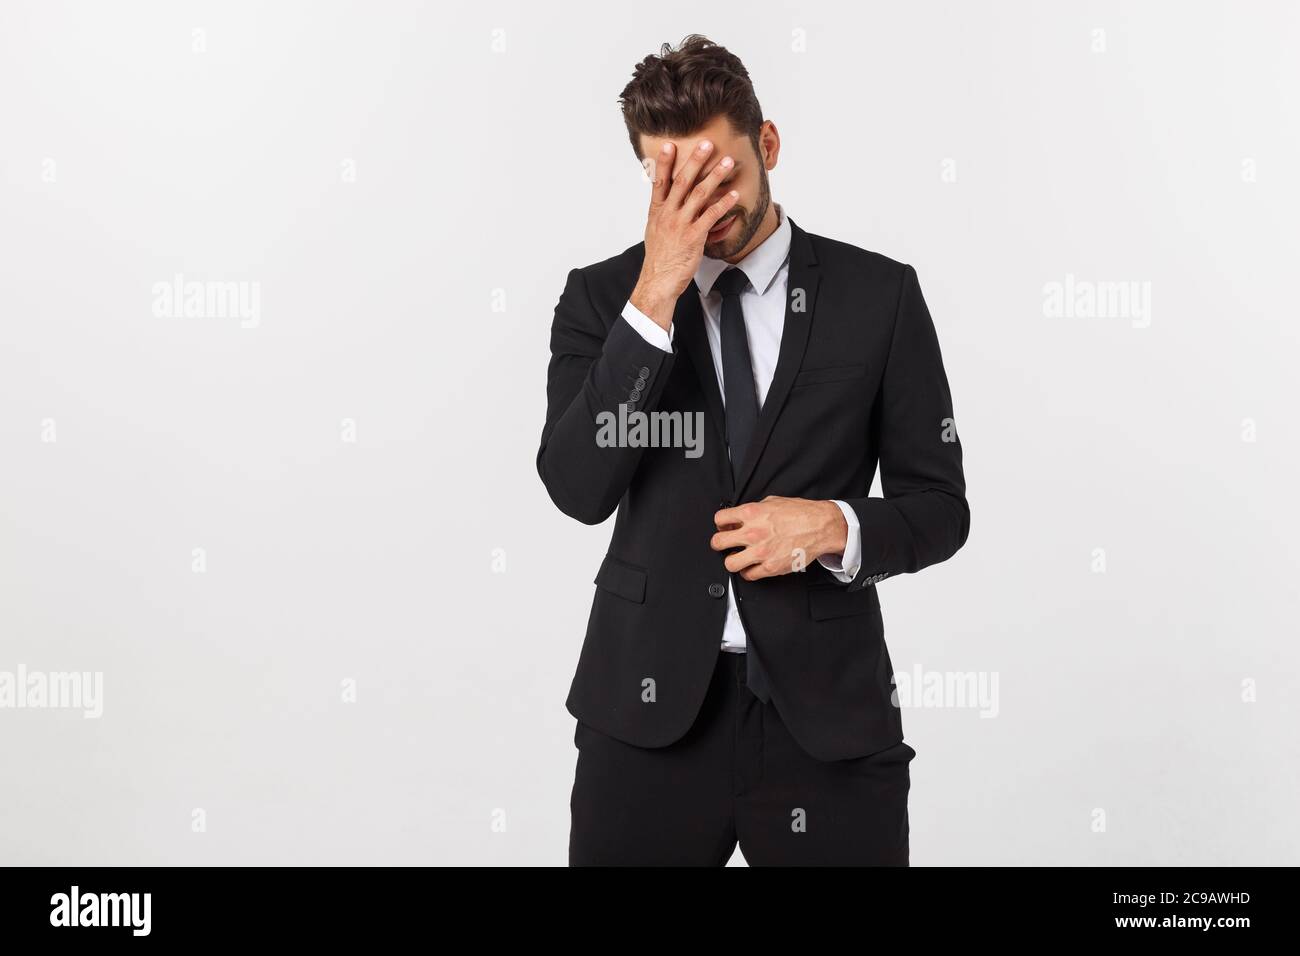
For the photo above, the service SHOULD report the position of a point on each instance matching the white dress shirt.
(763, 304)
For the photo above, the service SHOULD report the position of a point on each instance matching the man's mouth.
(722, 228)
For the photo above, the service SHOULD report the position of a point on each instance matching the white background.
(482, 176)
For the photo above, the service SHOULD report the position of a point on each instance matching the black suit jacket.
(859, 381)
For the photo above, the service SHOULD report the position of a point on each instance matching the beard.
(747, 224)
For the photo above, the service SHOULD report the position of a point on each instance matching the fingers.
(715, 212)
(727, 518)
(734, 517)
(747, 564)
(663, 174)
(689, 171)
(706, 187)
(745, 527)
(742, 560)
(730, 538)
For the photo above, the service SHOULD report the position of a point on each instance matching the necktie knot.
(733, 281)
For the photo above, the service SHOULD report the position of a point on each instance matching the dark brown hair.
(680, 91)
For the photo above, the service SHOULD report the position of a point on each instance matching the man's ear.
(769, 144)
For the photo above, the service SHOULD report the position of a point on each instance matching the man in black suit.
(734, 684)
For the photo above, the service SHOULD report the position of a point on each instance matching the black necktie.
(737, 371)
(742, 411)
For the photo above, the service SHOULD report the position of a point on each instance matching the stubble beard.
(746, 224)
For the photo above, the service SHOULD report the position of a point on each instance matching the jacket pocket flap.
(831, 373)
(625, 580)
(825, 603)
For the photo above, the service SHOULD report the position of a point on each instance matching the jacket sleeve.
(595, 366)
(923, 517)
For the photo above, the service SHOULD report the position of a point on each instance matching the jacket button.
(717, 590)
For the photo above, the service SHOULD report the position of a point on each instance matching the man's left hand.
(778, 535)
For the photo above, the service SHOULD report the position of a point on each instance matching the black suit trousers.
(737, 776)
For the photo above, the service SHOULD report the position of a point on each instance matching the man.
(734, 684)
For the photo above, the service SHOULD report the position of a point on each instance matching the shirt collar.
(761, 265)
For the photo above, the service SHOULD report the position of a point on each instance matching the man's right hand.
(677, 226)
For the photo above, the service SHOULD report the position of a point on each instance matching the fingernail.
(705, 146)
(734, 194)
(726, 162)
(667, 148)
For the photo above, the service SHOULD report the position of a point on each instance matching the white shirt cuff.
(648, 328)
(845, 566)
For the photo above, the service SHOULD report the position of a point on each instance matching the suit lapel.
(801, 296)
